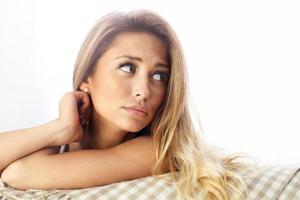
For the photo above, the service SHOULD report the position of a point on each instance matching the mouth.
(136, 111)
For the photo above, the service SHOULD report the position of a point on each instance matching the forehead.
(138, 44)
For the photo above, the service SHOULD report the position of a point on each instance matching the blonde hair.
(178, 147)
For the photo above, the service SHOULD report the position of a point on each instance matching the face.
(131, 75)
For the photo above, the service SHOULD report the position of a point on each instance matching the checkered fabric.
(292, 189)
(268, 183)
(274, 183)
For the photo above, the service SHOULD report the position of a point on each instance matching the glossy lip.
(136, 110)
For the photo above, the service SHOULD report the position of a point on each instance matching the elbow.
(14, 177)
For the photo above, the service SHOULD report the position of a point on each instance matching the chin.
(133, 127)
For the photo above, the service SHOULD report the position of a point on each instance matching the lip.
(140, 111)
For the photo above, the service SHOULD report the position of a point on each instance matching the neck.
(102, 134)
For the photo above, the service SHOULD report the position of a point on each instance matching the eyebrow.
(159, 64)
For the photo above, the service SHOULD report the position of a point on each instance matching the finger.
(82, 97)
(85, 121)
(83, 101)
(86, 115)
(85, 112)
(84, 107)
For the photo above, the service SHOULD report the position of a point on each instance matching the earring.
(86, 90)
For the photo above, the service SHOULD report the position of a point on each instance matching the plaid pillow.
(268, 183)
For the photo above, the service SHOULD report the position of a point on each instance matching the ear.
(86, 84)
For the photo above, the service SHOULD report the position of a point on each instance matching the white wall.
(243, 60)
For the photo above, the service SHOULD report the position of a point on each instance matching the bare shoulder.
(141, 146)
(138, 141)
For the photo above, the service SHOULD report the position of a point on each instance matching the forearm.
(84, 168)
(17, 144)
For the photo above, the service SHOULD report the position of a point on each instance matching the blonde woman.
(128, 114)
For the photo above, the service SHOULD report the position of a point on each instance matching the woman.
(128, 113)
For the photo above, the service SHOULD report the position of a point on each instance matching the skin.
(116, 82)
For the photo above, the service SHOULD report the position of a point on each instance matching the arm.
(8, 175)
(17, 144)
(86, 168)
(64, 130)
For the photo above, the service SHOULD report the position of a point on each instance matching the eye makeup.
(129, 67)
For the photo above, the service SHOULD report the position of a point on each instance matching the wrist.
(56, 132)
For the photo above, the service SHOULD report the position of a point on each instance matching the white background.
(243, 59)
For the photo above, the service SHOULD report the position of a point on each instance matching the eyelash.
(164, 75)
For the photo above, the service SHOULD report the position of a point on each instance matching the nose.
(141, 89)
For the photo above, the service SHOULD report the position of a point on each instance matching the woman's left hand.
(74, 115)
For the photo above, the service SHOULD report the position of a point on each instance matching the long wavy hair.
(179, 149)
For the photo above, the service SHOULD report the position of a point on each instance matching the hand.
(74, 114)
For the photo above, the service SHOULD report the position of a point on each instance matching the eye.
(161, 76)
(128, 67)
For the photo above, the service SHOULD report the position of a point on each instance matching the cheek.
(158, 98)
(109, 92)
